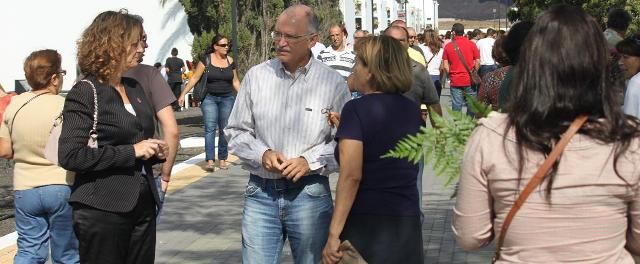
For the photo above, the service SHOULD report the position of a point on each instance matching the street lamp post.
(424, 22)
(234, 27)
(372, 27)
(435, 19)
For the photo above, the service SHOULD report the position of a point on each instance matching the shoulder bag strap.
(17, 111)
(94, 130)
(207, 63)
(464, 62)
(434, 55)
(537, 179)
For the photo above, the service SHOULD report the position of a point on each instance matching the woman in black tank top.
(222, 86)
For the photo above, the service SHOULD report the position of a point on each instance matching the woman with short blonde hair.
(390, 68)
(377, 199)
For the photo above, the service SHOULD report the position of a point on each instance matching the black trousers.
(382, 239)
(176, 88)
(117, 238)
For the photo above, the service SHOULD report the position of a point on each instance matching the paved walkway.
(201, 223)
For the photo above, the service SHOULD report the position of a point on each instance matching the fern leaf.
(443, 147)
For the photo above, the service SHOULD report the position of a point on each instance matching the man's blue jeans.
(215, 114)
(161, 195)
(275, 210)
(43, 217)
(458, 99)
(484, 69)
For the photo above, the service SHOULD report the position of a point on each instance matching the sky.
(30, 25)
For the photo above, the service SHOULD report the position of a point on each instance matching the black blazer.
(108, 177)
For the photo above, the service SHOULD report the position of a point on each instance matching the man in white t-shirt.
(485, 45)
(317, 48)
(338, 56)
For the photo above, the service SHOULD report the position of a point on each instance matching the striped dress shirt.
(283, 112)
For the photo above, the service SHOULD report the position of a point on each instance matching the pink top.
(586, 221)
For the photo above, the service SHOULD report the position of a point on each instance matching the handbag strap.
(207, 60)
(94, 130)
(464, 61)
(537, 179)
(17, 111)
(434, 55)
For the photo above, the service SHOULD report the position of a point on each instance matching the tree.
(530, 9)
(256, 19)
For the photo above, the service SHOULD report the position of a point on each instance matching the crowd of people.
(313, 110)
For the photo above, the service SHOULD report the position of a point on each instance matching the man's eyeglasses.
(412, 37)
(275, 35)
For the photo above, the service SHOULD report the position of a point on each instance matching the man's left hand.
(295, 168)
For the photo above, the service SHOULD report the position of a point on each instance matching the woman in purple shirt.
(377, 200)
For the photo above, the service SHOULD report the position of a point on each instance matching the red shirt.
(457, 72)
(4, 102)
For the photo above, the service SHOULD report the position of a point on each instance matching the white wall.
(29, 25)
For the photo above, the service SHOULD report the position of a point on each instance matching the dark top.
(504, 94)
(388, 186)
(422, 91)
(154, 86)
(174, 64)
(220, 80)
(108, 177)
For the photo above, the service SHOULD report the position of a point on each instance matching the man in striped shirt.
(338, 56)
(279, 130)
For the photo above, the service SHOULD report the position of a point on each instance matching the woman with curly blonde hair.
(114, 198)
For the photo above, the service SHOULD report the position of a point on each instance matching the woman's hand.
(181, 100)
(151, 147)
(333, 118)
(331, 254)
(164, 149)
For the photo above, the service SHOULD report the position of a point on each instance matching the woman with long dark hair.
(491, 82)
(222, 86)
(587, 207)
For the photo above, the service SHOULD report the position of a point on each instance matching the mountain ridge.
(473, 9)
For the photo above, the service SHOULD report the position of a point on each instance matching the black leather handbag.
(200, 89)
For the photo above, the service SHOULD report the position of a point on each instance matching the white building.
(358, 14)
(30, 25)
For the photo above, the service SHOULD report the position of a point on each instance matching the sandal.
(223, 165)
(210, 167)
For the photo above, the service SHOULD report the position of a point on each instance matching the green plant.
(443, 146)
